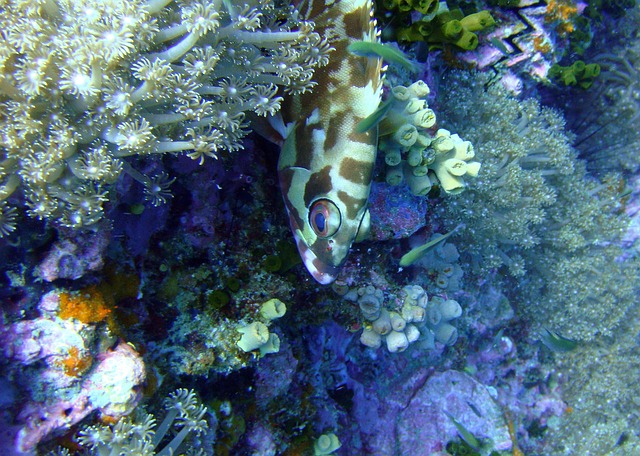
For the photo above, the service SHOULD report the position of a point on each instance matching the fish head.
(326, 162)
(325, 219)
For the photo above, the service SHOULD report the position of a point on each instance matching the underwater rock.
(113, 388)
(67, 369)
(395, 213)
(73, 256)
(423, 428)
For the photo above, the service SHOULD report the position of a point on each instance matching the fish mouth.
(322, 272)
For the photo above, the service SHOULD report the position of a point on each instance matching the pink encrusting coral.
(74, 255)
(64, 374)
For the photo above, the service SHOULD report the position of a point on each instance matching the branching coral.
(140, 437)
(534, 209)
(610, 140)
(521, 147)
(607, 137)
(85, 84)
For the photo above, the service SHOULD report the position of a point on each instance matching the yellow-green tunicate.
(446, 334)
(419, 185)
(406, 135)
(396, 341)
(370, 338)
(394, 175)
(272, 309)
(382, 325)
(253, 336)
(271, 346)
(326, 444)
(456, 167)
(477, 21)
(442, 142)
(424, 118)
(450, 309)
(419, 89)
(392, 157)
(419, 171)
(400, 93)
(414, 106)
(414, 157)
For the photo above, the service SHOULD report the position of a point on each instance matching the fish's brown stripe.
(352, 204)
(355, 171)
(304, 156)
(368, 137)
(319, 184)
(286, 179)
(333, 129)
(357, 22)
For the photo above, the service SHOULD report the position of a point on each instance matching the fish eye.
(324, 218)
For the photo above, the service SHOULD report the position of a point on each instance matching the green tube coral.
(467, 41)
(478, 21)
(579, 73)
(452, 30)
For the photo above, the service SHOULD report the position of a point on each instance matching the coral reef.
(417, 155)
(83, 88)
(607, 137)
(535, 211)
(140, 437)
(68, 369)
(502, 319)
(600, 397)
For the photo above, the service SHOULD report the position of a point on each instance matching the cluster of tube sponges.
(442, 26)
(417, 152)
(441, 264)
(409, 316)
(579, 73)
(256, 335)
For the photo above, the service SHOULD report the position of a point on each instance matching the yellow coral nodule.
(456, 167)
(425, 118)
(406, 135)
(397, 341)
(326, 444)
(273, 309)
(253, 337)
(271, 346)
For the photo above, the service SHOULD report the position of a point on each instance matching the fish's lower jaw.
(324, 275)
(323, 278)
(321, 272)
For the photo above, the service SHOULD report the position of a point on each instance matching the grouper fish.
(326, 163)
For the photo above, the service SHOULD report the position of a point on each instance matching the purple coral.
(69, 382)
(112, 388)
(75, 254)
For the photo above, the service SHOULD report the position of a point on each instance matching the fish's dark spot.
(352, 204)
(356, 171)
(319, 185)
